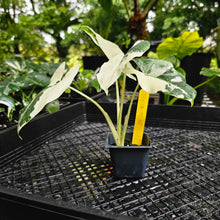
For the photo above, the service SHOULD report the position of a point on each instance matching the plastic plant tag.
(140, 118)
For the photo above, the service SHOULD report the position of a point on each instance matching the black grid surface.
(182, 179)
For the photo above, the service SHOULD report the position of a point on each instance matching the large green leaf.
(60, 81)
(185, 45)
(159, 75)
(210, 72)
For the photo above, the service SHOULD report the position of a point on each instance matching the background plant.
(21, 81)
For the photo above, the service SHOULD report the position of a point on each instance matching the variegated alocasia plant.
(153, 75)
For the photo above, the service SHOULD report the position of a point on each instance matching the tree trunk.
(62, 51)
(137, 23)
(138, 28)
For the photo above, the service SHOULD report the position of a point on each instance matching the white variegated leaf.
(159, 75)
(109, 48)
(137, 50)
(7, 101)
(110, 72)
(58, 74)
(47, 95)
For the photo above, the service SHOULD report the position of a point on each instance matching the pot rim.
(107, 145)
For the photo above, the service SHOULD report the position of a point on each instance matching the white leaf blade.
(7, 101)
(58, 74)
(109, 48)
(109, 72)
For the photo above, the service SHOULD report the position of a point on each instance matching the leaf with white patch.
(160, 75)
(7, 101)
(111, 70)
(137, 50)
(57, 86)
(109, 48)
(58, 74)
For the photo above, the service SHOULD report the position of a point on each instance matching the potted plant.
(153, 75)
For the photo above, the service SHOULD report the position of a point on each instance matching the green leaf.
(210, 72)
(38, 79)
(53, 106)
(106, 4)
(160, 75)
(185, 45)
(14, 84)
(60, 81)
(174, 60)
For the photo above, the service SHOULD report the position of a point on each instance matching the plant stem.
(105, 114)
(119, 121)
(118, 101)
(128, 115)
(127, 7)
(203, 83)
(196, 87)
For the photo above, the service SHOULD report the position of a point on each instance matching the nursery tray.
(61, 168)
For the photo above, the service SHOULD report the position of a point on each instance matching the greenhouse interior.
(109, 109)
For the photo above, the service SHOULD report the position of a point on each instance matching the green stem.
(203, 83)
(127, 7)
(128, 115)
(196, 87)
(31, 92)
(118, 101)
(105, 114)
(119, 122)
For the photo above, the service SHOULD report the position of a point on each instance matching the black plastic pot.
(129, 161)
(93, 62)
(193, 65)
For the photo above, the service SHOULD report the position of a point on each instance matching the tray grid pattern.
(182, 180)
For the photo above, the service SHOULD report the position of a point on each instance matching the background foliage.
(45, 29)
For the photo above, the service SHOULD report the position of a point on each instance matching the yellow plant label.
(140, 118)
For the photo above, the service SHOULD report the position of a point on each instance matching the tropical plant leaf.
(9, 102)
(137, 50)
(60, 81)
(185, 45)
(109, 48)
(210, 72)
(160, 75)
(58, 74)
(38, 79)
(111, 70)
(53, 106)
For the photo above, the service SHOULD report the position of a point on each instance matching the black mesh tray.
(66, 172)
